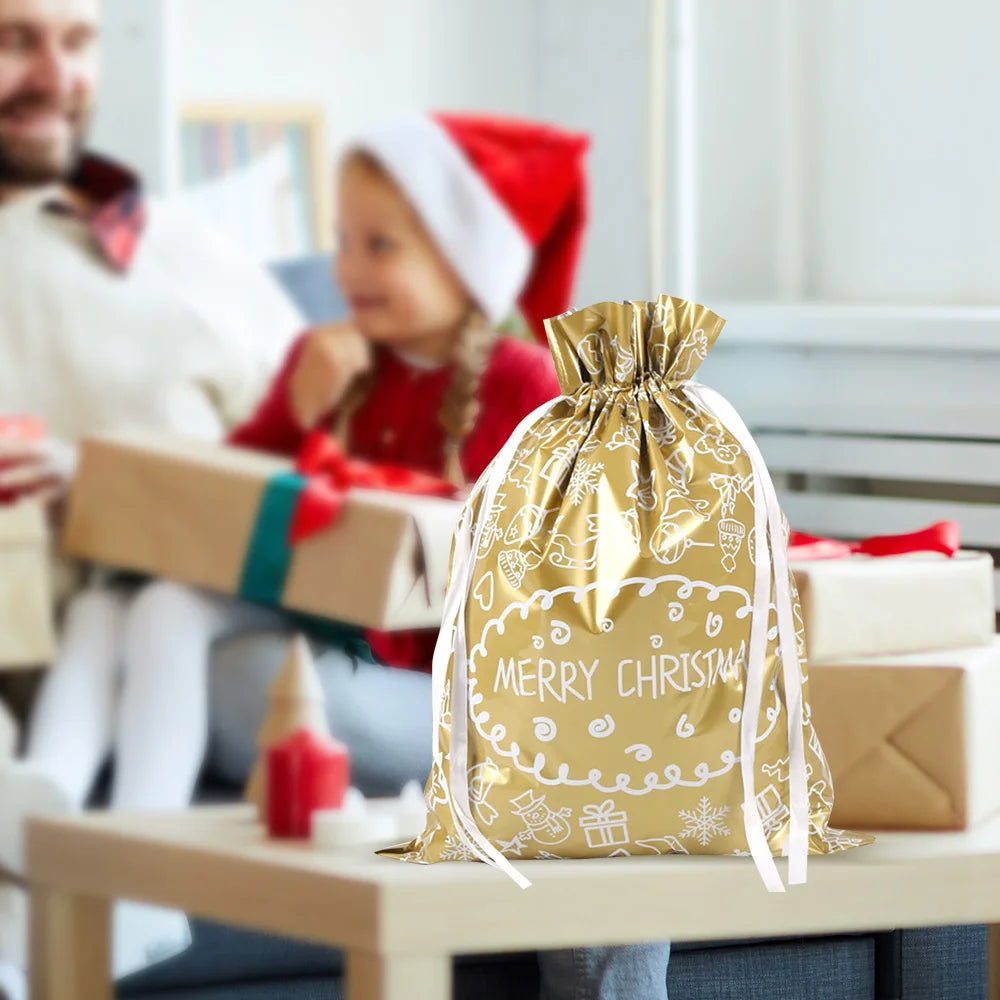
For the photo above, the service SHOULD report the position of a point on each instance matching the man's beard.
(26, 162)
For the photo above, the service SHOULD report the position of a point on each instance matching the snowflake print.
(704, 823)
(584, 481)
(841, 840)
(456, 850)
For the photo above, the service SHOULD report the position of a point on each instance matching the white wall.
(360, 61)
(847, 150)
(134, 121)
(842, 150)
(905, 151)
(590, 61)
(364, 61)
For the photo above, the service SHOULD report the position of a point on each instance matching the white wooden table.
(400, 924)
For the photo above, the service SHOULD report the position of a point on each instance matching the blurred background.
(841, 151)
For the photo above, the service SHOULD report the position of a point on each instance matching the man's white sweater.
(186, 339)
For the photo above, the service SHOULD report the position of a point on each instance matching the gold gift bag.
(620, 671)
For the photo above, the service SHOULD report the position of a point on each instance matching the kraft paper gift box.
(870, 606)
(912, 741)
(27, 636)
(218, 517)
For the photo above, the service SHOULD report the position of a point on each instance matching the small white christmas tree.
(296, 702)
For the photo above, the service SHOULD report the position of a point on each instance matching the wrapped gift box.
(912, 740)
(865, 606)
(218, 517)
(26, 631)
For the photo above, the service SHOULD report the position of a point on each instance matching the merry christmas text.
(651, 676)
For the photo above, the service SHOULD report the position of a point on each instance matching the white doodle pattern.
(568, 553)
(661, 428)
(692, 350)
(526, 524)
(731, 533)
(773, 812)
(455, 849)
(602, 727)
(589, 352)
(485, 591)
(482, 778)
(603, 826)
(542, 824)
(704, 823)
(680, 468)
(729, 488)
(671, 538)
(624, 364)
(492, 532)
(557, 469)
(660, 845)
(631, 519)
(642, 488)
(560, 632)
(627, 436)
(713, 440)
(545, 728)
(584, 481)
(515, 564)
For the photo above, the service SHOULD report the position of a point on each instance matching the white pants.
(132, 677)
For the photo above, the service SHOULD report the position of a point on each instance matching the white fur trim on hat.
(470, 224)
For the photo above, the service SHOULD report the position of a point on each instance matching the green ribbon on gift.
(269, 558)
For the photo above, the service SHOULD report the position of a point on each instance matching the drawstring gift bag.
(620, 670)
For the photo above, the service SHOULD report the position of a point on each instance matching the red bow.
(330, 476)
(940, 537)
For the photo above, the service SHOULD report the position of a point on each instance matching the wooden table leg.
(70, 946)
(398, 977)
(993, 960)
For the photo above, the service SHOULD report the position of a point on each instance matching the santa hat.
(504, 199)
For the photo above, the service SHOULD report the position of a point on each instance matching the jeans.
(620, 972)
(382, 714)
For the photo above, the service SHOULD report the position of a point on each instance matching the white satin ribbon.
(452, 644)
(767, 558)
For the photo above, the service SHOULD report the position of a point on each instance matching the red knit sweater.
(398, 423)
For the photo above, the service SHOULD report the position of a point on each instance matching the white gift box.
(871, 606)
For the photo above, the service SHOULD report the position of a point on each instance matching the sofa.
(229, 964)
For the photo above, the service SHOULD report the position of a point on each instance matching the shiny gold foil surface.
(608, 617)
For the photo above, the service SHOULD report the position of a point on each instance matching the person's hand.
(35, 469)
(333, 356)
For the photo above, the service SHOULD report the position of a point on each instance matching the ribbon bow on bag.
(943, 537)
(330, 475)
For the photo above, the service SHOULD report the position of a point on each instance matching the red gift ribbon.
(942, 536)
(331, 475)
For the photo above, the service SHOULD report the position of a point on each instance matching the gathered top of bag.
(623, 345)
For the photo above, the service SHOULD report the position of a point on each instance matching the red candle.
(305, 772)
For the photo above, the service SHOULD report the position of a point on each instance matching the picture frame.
(259, 172)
